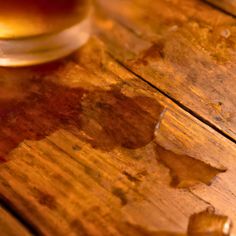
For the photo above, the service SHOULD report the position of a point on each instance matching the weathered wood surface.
(87, 148)
(186, 48)
(9, 226)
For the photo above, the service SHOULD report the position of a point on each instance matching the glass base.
(44, 48)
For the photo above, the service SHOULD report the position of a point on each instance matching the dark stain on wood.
(112, 119)
(186, 171)
(46, 199)
(131, 177)
(108, 118)
(46, 109)
(118, 192)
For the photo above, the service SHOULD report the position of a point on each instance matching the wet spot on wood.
(46, 199)
(108, 118)
(131, 177)
(40, 114)
(112, 119)
(186, 171)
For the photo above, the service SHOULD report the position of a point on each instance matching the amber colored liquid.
(26, 18)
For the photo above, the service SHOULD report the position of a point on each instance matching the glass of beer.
(39, 31)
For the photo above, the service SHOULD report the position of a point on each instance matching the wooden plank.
(9, 226)
(186, 48)
(84, 152)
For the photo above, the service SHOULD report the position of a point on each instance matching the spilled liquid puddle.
(107, 118)
(186, 171)
(112, 119)
(42, 112)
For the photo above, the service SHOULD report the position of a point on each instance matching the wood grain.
(185, 48)
(228, 6)
(68, 171)
(9, 226)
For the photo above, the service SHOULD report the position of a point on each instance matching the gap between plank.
(220, 9)
(22, 220)
(181, 105)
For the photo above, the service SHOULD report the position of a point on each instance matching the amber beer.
(37, 31)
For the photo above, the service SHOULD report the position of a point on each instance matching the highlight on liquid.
(38, 31)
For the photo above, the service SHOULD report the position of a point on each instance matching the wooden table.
(132, 134)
